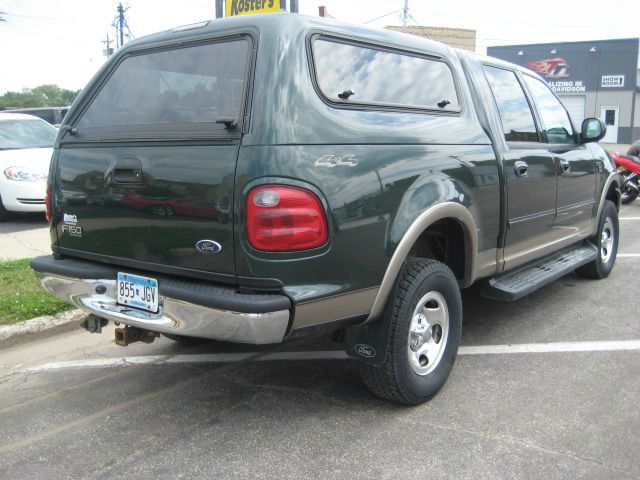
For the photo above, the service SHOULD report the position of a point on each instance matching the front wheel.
(425, 316)
(4, 214)
(606, 240)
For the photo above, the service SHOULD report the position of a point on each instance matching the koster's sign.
(245, 7)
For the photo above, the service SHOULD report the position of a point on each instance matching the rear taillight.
(47, 203)
(282, 218)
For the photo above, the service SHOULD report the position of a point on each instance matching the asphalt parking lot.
(546, 387)
(24, 236)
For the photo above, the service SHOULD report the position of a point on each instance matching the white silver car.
(25, 154)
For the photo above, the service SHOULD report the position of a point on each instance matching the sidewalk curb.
(40, 324)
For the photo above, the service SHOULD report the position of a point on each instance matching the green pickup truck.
(257, 178)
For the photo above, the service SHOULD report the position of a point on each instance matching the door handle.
(521, 168)
(128, 171)
(565, 165)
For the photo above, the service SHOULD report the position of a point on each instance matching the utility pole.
(405, 15)
(108, 51)
(121, 22)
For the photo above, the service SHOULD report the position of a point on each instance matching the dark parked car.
(367, 176)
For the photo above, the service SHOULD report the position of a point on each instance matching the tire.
(628, 194)
(627, 198)
(4, 213)
(426, 303)
(606, 239)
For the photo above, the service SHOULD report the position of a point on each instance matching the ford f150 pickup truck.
(255, 178)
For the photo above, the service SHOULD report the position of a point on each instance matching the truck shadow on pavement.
(22, 223)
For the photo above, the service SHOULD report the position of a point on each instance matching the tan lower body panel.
(335, 308)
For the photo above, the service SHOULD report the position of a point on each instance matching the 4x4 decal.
(331, 161)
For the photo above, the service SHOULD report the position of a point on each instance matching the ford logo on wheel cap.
(208, 247)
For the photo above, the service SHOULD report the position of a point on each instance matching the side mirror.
(593, 130)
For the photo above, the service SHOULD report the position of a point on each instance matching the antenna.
(121, 25)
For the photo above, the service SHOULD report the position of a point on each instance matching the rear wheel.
(426, 321)
(606, 240)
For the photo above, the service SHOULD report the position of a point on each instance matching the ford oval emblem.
(208, 247)
(365, 350)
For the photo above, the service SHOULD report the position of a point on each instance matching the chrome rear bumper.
(174, 316)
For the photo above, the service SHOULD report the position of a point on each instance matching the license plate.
(137, 291)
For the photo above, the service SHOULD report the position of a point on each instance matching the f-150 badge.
(70, 225)
(331, 161)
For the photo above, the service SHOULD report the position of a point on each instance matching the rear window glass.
(382, 78)
(19, 134)
(185, 85)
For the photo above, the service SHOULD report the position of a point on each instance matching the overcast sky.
(59, 41)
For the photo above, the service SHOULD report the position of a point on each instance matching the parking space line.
(628, 218)
(627, 255)
(523, 348)
(558, 347)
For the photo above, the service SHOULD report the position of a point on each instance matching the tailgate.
(145, 177)
(184, 196)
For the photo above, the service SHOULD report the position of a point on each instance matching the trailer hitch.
(126, 335)
(93, 324)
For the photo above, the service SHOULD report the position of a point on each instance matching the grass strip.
(22, 297)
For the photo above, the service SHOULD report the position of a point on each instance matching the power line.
(380, 17)
(20, 30)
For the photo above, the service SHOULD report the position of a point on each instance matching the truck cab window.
(515, 113)
(554, 117)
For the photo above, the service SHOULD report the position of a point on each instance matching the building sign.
(550, 68)
(612, 81)
(578, 67)
(568, 86)
(245, 7)
(554, 68)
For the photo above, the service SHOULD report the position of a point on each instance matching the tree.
(41, 96)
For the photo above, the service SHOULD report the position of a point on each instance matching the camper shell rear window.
(157, 90)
